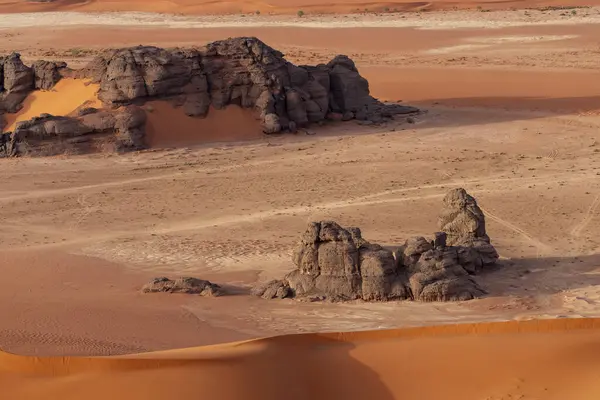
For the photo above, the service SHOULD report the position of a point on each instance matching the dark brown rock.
(51, 135)
(439, 276)
(273, 290)
(47, 73)
(337, 264)
(239, 71)
(464, 223)
(183, 285)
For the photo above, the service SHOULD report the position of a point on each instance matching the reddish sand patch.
(560, 91)
(81, 305)
(168, 126)
(66, 96)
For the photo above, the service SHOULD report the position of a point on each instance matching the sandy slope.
(168, 126)
(528, 360)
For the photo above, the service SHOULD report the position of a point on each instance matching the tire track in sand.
(589, 215)
(542, 248)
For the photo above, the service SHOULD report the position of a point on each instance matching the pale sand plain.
(512, 115)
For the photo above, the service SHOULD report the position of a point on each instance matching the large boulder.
(17, 81)
(47, 73)
(464, 224)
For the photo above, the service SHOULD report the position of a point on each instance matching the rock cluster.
(240, 71)
(183, 285)
(335, 263)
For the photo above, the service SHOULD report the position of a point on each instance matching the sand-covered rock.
(183, 285)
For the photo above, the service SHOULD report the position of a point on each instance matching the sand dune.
(66, 96)
(554, 359)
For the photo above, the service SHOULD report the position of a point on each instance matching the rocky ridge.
(337, 264)
(239, 71)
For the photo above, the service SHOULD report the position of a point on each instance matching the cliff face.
(240, 71)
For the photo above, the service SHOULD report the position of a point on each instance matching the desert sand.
(168, 126)
(274, 6)
(512, 115)
(548, 359)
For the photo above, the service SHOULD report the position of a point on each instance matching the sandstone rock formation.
(334, 263)
(464, 223)
(183, 285)
(240, 71)
(437, 273)
(338, 264)
(50, 135)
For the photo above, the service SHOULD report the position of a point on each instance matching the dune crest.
(553, 362)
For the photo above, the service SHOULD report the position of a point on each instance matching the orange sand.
(551, 359)
(66, 96)
(168, 126)
(270, 7)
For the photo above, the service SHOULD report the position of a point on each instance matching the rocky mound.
(239, 71)
(335, 263)
(183, 285)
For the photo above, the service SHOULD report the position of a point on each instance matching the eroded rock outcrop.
(338, 264)
(183, 285)
(239, 71)
(47, 135)
(335, 263)
(242, 71)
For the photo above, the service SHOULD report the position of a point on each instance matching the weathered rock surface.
(339, 264)
(183, 285)
(240, 71)
(437, 273)
(46, 135)
(464, 223)
(47, 73)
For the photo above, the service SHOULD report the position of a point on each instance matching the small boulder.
(183, 285)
